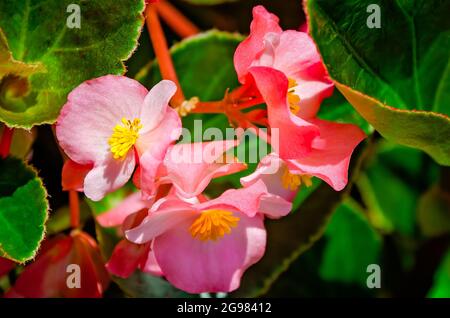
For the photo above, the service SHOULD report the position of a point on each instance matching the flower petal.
(92, 110)
(161, 221)
(108, 176)
(253, 46)
(152, 148)
(190, 167)
(213, 266)
(73, 175)
(295, 134)
(131, 204)
(245, 200)
(126, 258)
(155, 104)
(330, 156)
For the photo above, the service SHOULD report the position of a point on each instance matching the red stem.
(74, 205)
(5, 142)
(162, 52)
(176, 20)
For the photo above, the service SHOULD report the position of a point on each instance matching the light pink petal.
(92, 110)
(108, 176)
(155, 104)
(252, 47)
(151, 266)
(159, 222)
(270, 170)
(274, 206)
(131, 204)
(126, 258)
(213, 266)
(190, 167)
(152, 148)
(330, 157)
(311, 93)
(295, 134)
(73, 175)
(297, 57)
(245, 200)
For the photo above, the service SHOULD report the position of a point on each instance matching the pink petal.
(152, 148)
(73, 175)
(155, 104)
(330, 156)
(270, 170)
(190, 167)
(108, 176)
(161, 221)
(212, 266)
(131, 204)
(92, 110)
(126, 258)
(295, 134)
(253, 46)
(245, 200)
(151, 266)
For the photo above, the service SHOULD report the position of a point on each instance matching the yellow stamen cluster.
(213, 224)
(187, 106)
(293, 181)
(124, 137)
(293, 99)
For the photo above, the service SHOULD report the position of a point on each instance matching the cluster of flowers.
(114, 130)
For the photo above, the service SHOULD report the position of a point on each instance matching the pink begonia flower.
(207, 246)
(291, 52)
(288, 73)
(330, 152)
(189, 168)
(109, 122)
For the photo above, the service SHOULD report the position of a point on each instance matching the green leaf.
(37, 34)
(397, 76)
(23, 210)
(433, 212)
(351, 246)
(390, 198)
(441, 286)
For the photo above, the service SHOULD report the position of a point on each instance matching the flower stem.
(215, 107)
(162, 52)
(176, 20)
(74, 205)
(5, 142)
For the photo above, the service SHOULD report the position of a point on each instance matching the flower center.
(293, 99)
(124, 137)
(293, 181)
(213, 224)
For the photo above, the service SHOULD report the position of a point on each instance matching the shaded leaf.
(441, 286)
(23, 210)
(433, 212)
(351, 246)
